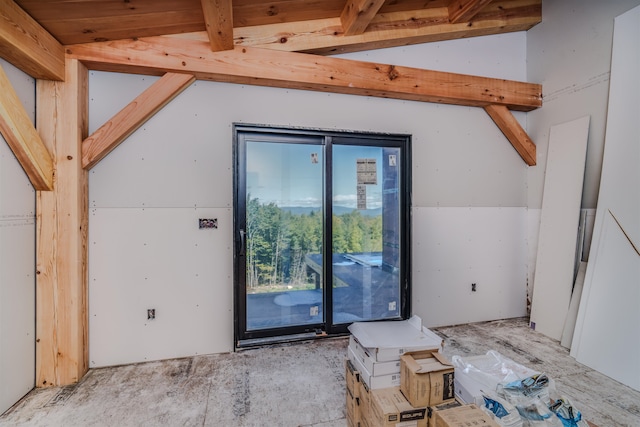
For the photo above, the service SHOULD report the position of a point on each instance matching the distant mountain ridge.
(337, 210)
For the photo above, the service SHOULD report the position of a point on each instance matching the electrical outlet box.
(204, 223)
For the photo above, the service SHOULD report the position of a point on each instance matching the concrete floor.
(298, 384)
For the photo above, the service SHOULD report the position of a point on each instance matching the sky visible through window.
(290, 175)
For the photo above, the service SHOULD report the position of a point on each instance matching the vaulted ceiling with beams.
(315, 26)
(282, 43)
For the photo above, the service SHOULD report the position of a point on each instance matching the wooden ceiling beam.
(326, 36)
(218, 18)
(465, 10)
(135, 114)
(516, 135)
(357, 14)
(28, 46)
(23, 139)
(244, 65)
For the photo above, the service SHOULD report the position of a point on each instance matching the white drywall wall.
(457, 247)
(145, 250)
(17, 261)
(569, 53)
(608, 323)
(558, 226)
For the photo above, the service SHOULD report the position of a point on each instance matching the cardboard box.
(389, 408)
(383, 411)
(427, 378)
(365, 405)
(374, 404)
(352, 377)
(431, 411)
(373, 382)
(408, 412)
(365, 399)
(369, 423)
(388, 340)
(353, 408)
(463, 416)
(374, 367)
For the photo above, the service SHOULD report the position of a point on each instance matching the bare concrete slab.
(294, 385)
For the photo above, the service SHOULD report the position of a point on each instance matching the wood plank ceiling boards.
(396, 23)
(28, 46)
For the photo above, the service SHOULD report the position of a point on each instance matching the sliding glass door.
(366, 231)
(303, 197)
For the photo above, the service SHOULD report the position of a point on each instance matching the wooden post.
(61, 236)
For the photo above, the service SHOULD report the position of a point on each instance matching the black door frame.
(243, 337)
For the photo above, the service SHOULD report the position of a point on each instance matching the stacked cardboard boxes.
(352, 377)
(375, 348)
(397, 377)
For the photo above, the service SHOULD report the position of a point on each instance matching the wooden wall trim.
(61, 233)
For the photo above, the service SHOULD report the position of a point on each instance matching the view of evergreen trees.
(277, 241)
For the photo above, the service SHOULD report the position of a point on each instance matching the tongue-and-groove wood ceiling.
(318, 26)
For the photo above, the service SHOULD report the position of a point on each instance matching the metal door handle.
(242, 248)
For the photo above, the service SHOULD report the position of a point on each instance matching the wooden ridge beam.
(514, 132)
(170, 54)
(23, 139)
(131, 117)
(28, 46)
(218, 18)
(326, 36)
(357, 14)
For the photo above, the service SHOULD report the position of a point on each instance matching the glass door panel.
(304, 197)
(283, 234)
(366, 233)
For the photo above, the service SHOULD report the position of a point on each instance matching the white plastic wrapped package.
(535, 413)
(523, 390)
(501, 411)
(512, 385)
(491, 369)
(568, 415)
